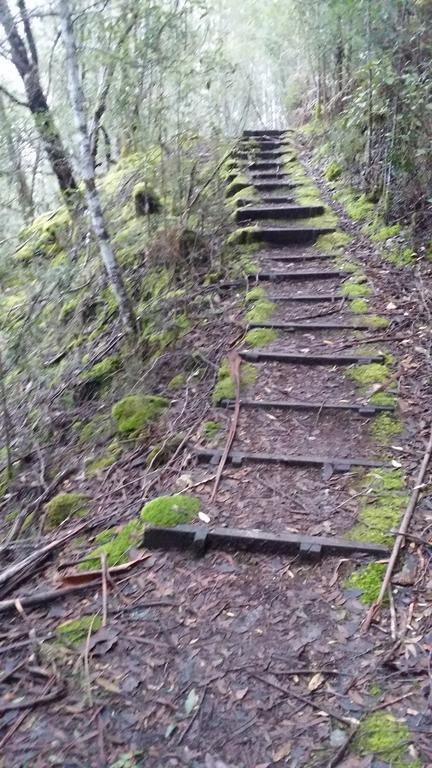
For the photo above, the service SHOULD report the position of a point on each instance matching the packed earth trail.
(237, 641)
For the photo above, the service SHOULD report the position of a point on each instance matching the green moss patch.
(75, 631)
(177, 381)
(101, 372)
(105, 460)
(115, 543)
(262, 311)
(382, 506)
(333, 171)
(385, 233)
(64, 506)
(260, 337)
(170, 510)
(381, 735)
(358, 306)
(225, 385)
(135, 413)
(211, 429)
(369, 580)
(371, 373)
(333, 243)
(377, 321)
(399, 257)
(385, 427)
(255, 294)
(354, 289)
(241, 236)
(383, 398)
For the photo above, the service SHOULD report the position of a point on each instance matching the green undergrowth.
(381, 507)
(356, 288)
(211, 429)
(369, 580)
(384, 427)
(260, 337)
(369, 374)
(177, 382)
(135, 413)
(261, 311)
(75, 631)
(116, 543)
(380, 734)
(63, 507)
(241, 236)
(104, 460)
(383, 399)
(333, 243)
(225, 385)
(358, 306)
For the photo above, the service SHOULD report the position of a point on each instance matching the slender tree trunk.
(26, 63)
(24, 191)
(87, 170)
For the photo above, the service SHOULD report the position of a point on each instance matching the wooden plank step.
(298, 358)
(286, 235)
(264, 165)
(268, 176)
(237, 459)
(299, 256)
(270, 186)
(301, 274)
(262, 132)
(315, 325)
(276, 211)
(309, 297)
(278, 200)
(199, 538)
(306, 405)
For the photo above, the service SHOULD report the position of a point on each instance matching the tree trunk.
(27, 67)
(25, 197)
(87, 170)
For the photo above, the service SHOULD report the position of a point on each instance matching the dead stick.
(234, 362)
(40, 598)
(104, 589)
(304, 699)
(400, 539)
(35, 701)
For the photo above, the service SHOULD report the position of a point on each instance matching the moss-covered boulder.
(64, 506)
(170, 510)
(134, 413)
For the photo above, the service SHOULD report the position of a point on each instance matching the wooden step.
(315, 325)
(299, 358)
(238, 458)
(200, 538)
(257, 212)
(307, 405)
(286, 235)
(263, 132)
(299, 257)
(309, 298)
(300, 274)
(270, 186)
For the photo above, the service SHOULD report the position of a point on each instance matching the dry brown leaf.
(283, 752)
(316, 682)
(107, 685)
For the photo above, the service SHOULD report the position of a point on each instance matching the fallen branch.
(35, 701)
(400, 538)
(234, 362)
(41, 598)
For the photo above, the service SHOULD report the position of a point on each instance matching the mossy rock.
(75, 631)
(115, 543)
(98, 374)
(260, 337)
(177, 382)
(64, 506)
(225, 386)
(369, 579)
(97, 430)
(105, 460)
(387, 739)
(262, 310)
(371, 373)
(134, 413)
(170, 510)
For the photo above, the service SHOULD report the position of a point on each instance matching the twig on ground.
(400, 539)
(35, 701)
(104, 572)
(193, 718)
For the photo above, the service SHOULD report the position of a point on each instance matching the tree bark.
(27, 67)
(87, 170)
(25, 197)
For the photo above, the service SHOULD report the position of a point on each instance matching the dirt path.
(243, 659)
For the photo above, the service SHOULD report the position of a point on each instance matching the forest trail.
(253, 655)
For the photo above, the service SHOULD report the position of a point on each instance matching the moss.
(115, 543)
(260, 337)
(384, 427)
(366, 375)
(382, 398)
(134, 413)
(225, 385)
(237, 185)
(241, 236)
(105, 460)
(333, 171)
(376, 321)
(255, 294)
(75, 631)
(375, 690)
(381, 735)
(97, 430)
(262, 311)
(400, 257)
(177, 382)
(170, 510)
(385, 233)
(245, 194)
(68, 309)
(358, 306)
(381, 509)
(369, 580)
(357, 208)
(211, 429)
(44, 236)
(100, 373)
(354, 289)
(64, 506)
